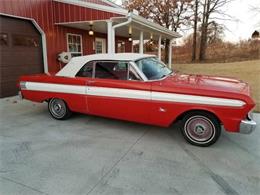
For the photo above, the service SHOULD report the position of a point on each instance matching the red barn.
(34, 32)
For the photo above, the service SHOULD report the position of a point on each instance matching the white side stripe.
(60, 88)
(132, 94)
(120, 93)
(181, 98)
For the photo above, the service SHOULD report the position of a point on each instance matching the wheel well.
(47, 100)
(180, 117)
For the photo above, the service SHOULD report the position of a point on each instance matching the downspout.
(129, 20)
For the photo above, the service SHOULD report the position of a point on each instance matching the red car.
(140, 88)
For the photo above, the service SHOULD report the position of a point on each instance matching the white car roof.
(76, 63)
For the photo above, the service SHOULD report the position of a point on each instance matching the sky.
(245, 21)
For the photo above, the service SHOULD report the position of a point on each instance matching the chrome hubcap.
(58, 108)
(199, 129)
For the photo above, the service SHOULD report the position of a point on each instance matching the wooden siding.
(46, 13)
(71, 13)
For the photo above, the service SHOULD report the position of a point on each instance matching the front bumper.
(247, 126)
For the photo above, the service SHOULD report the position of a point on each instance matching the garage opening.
(20, 52)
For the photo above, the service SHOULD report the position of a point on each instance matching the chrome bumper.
(247, 126)
(20, 95)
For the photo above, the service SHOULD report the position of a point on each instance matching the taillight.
(22, 85)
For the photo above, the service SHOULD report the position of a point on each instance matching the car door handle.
(91, 82)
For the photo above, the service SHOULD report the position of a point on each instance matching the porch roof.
(138, 24)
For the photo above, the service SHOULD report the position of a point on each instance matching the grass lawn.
(248, 71)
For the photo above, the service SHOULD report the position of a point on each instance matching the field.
(248, 71)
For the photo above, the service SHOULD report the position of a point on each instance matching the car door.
(85, 74)
(117, 91)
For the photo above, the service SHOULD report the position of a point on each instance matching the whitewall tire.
(201, 128)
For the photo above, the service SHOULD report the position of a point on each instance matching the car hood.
(204, 85)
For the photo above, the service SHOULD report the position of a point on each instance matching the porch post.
(141, 43)
(159, 47)
(113, 41)
(170, 53)
(109, 37)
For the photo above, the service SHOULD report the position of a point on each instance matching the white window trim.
(81, 45)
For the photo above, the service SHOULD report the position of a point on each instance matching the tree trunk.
(204, 31)
(203, 43)
(194, 45)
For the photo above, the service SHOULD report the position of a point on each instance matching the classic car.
(140, 88)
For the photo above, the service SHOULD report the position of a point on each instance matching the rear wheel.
(59, 109)
(201, 128)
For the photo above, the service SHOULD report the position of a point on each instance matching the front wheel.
(59, 109)
(201, 128)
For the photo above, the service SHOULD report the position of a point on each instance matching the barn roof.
(102, 2)
(102, 5)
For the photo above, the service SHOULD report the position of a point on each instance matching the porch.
(132, 28)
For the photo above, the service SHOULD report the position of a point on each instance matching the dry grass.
(221, 52)
(248, 71)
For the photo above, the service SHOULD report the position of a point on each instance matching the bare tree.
(215, 32)
(194, 45)
(256, 12)
(210, 7)
(171, 14)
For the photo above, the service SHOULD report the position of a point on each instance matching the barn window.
(100, 45)
(3, 39)
(74, 44)
(25, 41)
(120, 47)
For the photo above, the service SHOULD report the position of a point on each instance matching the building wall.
(46, 13)
(71, 13)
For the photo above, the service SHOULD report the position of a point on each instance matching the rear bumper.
(247, 126)
(20, 95)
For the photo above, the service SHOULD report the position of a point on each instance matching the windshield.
(153, 68)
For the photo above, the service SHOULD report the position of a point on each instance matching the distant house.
(256, 34)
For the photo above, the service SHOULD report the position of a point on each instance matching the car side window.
(86, 70)
(117, 70)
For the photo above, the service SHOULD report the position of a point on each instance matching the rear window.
(86, 70)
